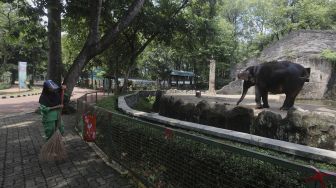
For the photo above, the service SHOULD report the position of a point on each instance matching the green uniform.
(49, 120)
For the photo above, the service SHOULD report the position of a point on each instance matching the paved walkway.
(21, 138)
(30, 103)
(13, 89)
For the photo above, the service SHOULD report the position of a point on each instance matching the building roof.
(182, 73)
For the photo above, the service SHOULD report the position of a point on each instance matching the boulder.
(267, 124)
(239, 119)
(188, 112)
(156, 105)
(317, 129)
(201, 111)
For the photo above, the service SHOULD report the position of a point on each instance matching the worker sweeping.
(51, 104)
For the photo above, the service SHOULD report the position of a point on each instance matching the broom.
(54, 149)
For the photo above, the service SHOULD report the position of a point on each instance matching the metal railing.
(164, 157)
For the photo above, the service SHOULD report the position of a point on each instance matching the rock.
(166, 104)
(177, 111)
(310, 128)
(201, 112)
(156, 105)
(267, 124)
(239, 119)
(188, 111)
(220, 108)
(316, 129)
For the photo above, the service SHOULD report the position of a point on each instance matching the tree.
(95, 44)
(22, 38)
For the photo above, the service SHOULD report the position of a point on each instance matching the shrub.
(145, 104)
(329, 55)
(4, 86)
(109, 103)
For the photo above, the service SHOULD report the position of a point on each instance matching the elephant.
(275, 77)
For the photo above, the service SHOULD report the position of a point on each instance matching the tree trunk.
(116, 78)
(93, 48)
(125, 85)
(54, 39)
(13, 76)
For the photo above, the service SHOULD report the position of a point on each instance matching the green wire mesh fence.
(163, 157)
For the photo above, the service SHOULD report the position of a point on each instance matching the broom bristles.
(54, 149)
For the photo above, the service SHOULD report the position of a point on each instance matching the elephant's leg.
(290, 98)
(285, 104)
(264, 96)
(258, 97)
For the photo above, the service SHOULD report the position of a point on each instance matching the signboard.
(22, 75)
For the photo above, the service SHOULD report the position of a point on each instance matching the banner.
(22, 75)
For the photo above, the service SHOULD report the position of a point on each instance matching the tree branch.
(94, 20)
(110, 35)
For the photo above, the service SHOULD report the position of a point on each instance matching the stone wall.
(302, 47)
(304, 43)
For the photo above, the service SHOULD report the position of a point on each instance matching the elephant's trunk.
(246, 86)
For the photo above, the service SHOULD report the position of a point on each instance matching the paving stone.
(22, 167)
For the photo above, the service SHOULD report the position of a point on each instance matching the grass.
(109, 103)
(4, 86)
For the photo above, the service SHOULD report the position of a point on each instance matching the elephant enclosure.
(312, 123)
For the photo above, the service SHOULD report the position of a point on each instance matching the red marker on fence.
(318, 176)
(168, 133)
(89, 133)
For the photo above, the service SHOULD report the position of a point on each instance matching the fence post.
(96, 96)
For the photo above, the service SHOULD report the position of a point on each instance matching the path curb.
(19, 95)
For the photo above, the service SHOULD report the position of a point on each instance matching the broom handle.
(60, 112)
(62, 96)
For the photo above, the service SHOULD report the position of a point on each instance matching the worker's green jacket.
(49, 120)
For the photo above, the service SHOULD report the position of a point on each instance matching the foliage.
(156, 62)
(109, 103)
(22, 38)
(329, 55)
(165, 35)
(145, 104)
(4, 86)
